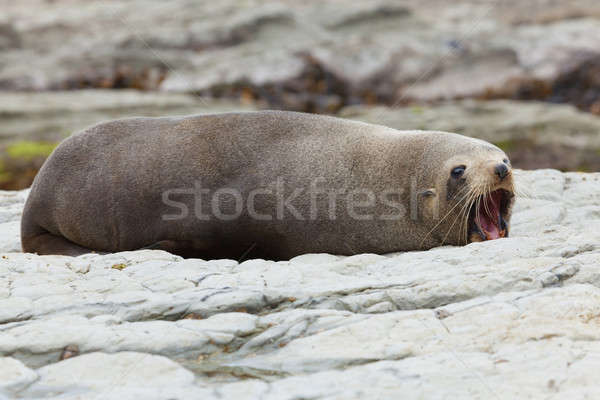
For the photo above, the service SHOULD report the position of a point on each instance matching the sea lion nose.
(501, 170)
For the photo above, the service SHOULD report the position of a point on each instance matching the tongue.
(488, 227)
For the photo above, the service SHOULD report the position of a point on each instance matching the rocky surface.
(309, 55)
(53, 116)
(506, 319)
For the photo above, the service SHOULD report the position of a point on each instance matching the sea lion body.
(151, 183)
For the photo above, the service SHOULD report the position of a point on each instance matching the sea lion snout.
(498, 172)
(483, 195)
(501, 170)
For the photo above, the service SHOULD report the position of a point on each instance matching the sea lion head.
(474, 191)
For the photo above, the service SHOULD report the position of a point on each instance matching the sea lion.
(267, 184)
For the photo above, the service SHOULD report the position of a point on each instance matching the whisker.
(486, 193)
(466, 211)
(521, 192)
(442, 220)
(450, 229)
(460, 216)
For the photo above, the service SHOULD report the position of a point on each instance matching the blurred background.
(524, 75)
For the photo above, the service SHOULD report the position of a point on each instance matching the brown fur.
(101, 189)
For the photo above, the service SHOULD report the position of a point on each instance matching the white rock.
(14, 376)
(9, 231)
(108, 372)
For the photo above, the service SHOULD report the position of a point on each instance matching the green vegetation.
(417, 109)
(20, 161)
(5, 176)
(506, 145)
(28, 150)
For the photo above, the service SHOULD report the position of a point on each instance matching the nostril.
(501, 170)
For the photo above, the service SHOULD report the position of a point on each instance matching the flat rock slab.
(507, 319)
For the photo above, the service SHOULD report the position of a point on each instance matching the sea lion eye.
(506, 161)
(458, 171)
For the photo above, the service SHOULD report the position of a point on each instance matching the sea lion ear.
(428, 192)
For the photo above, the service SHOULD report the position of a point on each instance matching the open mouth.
(487, 216)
